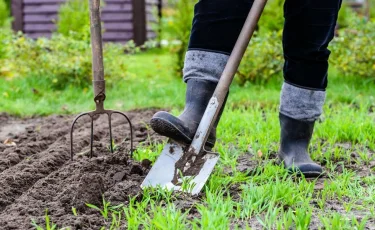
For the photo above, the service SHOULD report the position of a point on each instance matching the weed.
(49, 224)
(74, 210)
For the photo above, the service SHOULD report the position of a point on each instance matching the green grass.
(269, 198)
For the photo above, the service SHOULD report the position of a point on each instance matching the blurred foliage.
(4, 13)
(346, 14)
(263, 58)
(176, 26)
(273, 16)
(74, 19)
(59, 61)
(353, 51)
(65, 59)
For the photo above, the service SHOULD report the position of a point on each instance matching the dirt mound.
(36, 172)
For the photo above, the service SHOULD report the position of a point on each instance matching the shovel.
(187, 168)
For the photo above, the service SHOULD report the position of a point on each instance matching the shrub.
(353, 52)
(346, 15)
(4, 13)
(272, 18)
(74, 19)
(58, 62)
(177, 27)
(263, 59)
(177, 22)
(5, 34)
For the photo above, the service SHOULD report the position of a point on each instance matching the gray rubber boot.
(184, 127)
(295, 139)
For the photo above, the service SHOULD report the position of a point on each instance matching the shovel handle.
(97, 49)
(239, 50)
(227, 76)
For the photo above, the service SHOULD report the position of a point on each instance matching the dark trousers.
(308, 29)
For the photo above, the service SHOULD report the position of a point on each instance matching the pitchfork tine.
(71, 133)
(92, 136)
(110, 131)
(131, 131)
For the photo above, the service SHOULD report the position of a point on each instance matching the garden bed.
(36, 172)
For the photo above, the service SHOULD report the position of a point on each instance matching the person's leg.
(309, 27)
(216, 27)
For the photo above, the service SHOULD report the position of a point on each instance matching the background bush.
(263, 59)
(4, 13)
(74, 19)
(58, 62)
(176, 26)
(65, 58)
(346, 15)
(273, 16)
(353, 52)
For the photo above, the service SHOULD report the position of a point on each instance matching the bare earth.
(37, 173)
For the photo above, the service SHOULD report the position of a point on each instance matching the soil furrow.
(38, 136)
(42, 176)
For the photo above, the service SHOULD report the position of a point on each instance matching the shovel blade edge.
(162, 173)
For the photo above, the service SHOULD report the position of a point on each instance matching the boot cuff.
(301, 104)
(204, 65)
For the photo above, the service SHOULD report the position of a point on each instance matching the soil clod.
(37, 174)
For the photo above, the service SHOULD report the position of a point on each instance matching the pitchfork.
(98, 82)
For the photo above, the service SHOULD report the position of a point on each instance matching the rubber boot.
(295, 139)
(184, 127)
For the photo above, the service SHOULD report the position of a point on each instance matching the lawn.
(248, 188)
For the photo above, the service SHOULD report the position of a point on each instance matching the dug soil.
(36, 172)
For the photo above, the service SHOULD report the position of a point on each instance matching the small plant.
(302, 217)
(114, 145)
(107, 209)
(74, 211)
(168, 217)
(116, 220)
(335, 221)
(49, 224)
(187, 183)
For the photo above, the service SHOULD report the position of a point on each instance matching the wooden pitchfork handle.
(97, 51)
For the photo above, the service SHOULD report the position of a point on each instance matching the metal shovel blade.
(172, 170)
(187, 168)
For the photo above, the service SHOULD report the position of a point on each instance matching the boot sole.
(167, 129)
(310, 174)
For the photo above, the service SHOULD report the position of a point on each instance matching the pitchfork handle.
(97, 49)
